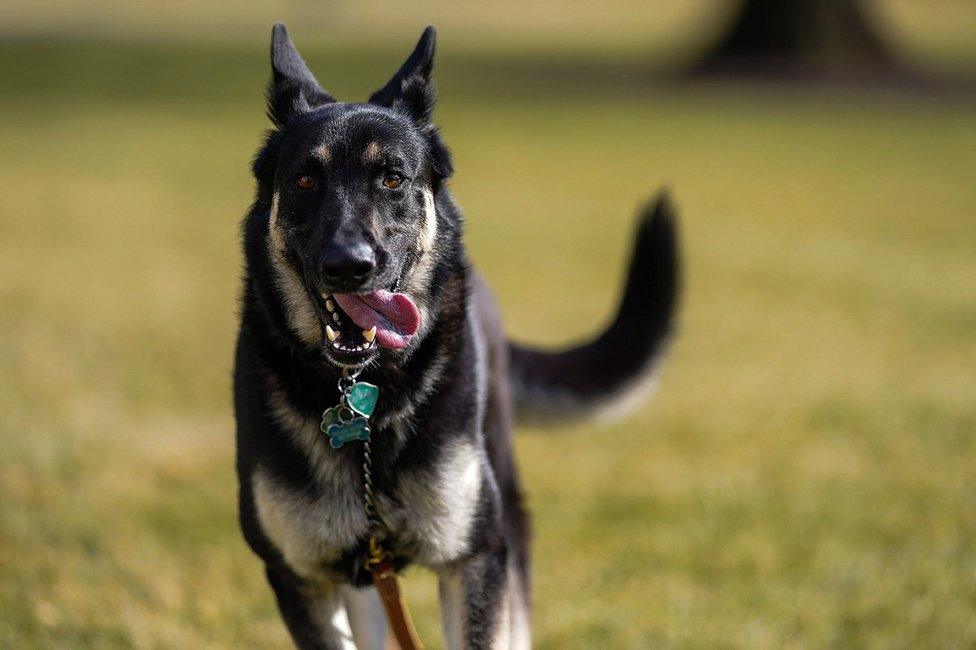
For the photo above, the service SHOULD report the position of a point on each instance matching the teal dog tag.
(340, 434)
(362, 398)
(329, 417)
(348, 420)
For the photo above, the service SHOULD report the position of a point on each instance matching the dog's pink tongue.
(394, 315)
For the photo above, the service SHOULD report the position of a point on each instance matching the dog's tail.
(611, 374)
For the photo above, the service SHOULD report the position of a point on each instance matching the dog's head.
(350, 190)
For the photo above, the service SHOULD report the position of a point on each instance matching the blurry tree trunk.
(800, 39)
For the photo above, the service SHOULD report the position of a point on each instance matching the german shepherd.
(355, 260)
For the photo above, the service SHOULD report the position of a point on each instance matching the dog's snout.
(348, 266)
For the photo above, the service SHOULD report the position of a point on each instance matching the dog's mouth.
(357, 324)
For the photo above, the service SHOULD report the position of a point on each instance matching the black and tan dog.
(355, 259)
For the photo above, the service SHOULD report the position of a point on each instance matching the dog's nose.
(348, 266)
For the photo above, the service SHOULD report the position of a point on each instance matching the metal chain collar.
(379, 561)
(375, 525)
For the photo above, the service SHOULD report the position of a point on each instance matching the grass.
(802, 479)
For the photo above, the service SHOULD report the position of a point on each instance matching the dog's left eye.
(305, 182)
(392, 181)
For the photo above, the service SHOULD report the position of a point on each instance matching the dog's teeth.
(335, 317)
(328, 304)
(335, 344)
(331, 333)
(370, 334)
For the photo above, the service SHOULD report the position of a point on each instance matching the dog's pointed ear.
(411, 90)
(293, 89)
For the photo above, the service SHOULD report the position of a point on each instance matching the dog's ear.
(411, 89)
(293, 89)
(440, 156)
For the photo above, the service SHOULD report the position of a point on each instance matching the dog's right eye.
(304, 182)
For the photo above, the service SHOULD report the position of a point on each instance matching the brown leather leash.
(380, 565)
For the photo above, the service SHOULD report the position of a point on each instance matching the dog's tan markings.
(275, 237)
(299, 310)
(519, 624)
(304, 430)
(443, 502)
(428, 232)
(278, 512)
(451, 592)
(418, 278)
(442, 506)
(306, 529)
(322, 153)
(372, 153)
(509, 622)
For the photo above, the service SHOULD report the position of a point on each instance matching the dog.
(355, 265)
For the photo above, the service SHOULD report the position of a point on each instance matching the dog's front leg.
(477, 601)
(367, 619)
(314, 614)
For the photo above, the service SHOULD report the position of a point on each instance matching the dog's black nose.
(348, 266)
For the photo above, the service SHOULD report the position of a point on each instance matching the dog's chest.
(430, 512)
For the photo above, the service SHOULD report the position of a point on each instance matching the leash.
(347, 421)
(380, 565)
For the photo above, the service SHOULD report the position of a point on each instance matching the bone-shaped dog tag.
(340, 434)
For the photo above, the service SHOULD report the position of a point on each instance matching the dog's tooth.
(328, 304)
(335, 317)
(370, 334)
(331, 333)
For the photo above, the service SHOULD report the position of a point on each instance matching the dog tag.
(340, 434)
(329, 417)
(362, 398)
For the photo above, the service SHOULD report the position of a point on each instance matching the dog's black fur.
(443, 466)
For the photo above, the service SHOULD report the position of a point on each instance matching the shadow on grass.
(82, 71)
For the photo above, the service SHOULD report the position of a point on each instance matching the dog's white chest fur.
(431, 512)
(308, 532)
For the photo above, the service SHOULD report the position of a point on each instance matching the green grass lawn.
(803, 478)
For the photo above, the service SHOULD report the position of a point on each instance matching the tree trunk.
(815, 39)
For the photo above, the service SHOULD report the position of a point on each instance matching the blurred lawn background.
(806, 475)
